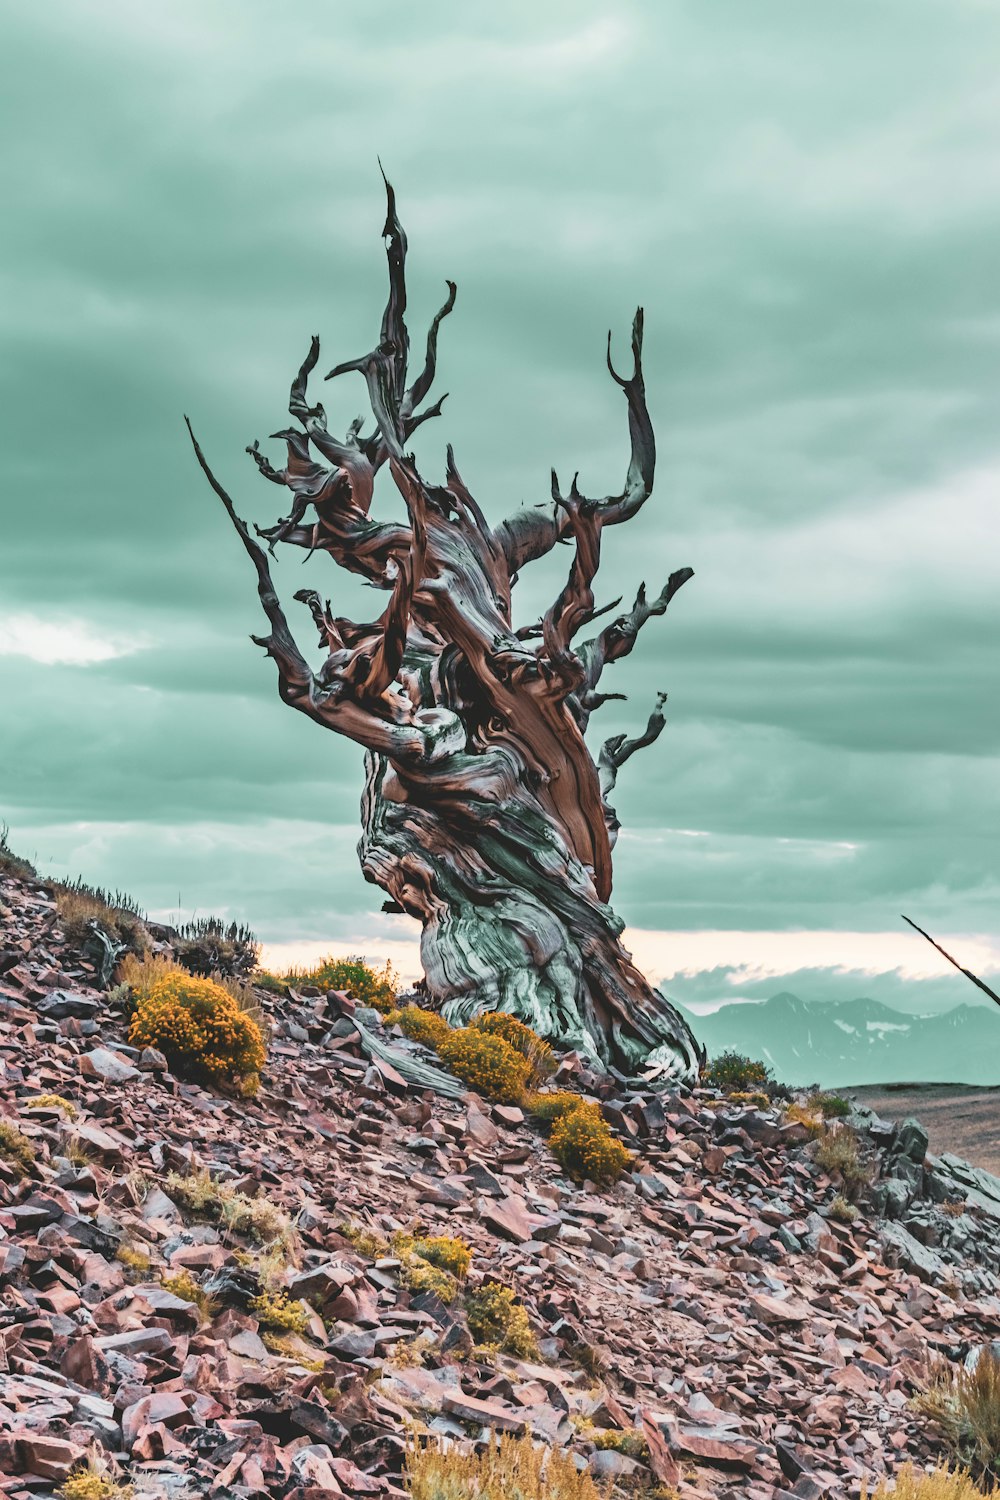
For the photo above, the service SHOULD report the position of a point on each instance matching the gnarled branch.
(616, 751)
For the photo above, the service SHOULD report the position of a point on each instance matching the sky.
(806, 201)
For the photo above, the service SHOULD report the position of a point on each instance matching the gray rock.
(899, 1248)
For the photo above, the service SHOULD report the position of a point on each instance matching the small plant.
(16, 1149)
(200, 1029)
(732, 1072)
(486, 1063)
(183, 1285)
(582, 1143)
(443, 1250)
(419, 1276)
(831, 1106)
(365, 1241)
(942, 1483)
(742, 1096)
(286, 1345)
(838, 1154)
(964, 1405)
(135, 1261)
(52, 1101)
(79, 904)
(496, 1318)
(76, 1153)
(96, 1480)
(804, 1115)
(547, 1108)
(954, 1207)
(537, 1053)
(11, 863)
(843, 1211)
(209, 946)
(276, 1311)
(259, 1218)
(512, 1469)
(436, 1264)
(628, 1440)
(423, 1026)
(369, 986)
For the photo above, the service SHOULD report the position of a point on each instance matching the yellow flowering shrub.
(201, 1030)
(547, 1108)
(52, 1101)
(496, 1318)
(581, 1141)
(277, 1311)
(486, 1063)
(537, 1053)
(424, 1026)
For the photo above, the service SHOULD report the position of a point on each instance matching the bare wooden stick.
(954, 961)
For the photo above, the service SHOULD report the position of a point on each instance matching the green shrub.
(497, 1319)
(732, 1072)
(259, 1218)
(201, 1030)
(374, 987)
(182, 1284)
(52, 1101)
(444, 1250)
(843, 1211)
(486, 1063)
(831, 1106)
(582, 1143)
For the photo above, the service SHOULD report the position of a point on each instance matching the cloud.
(72, 643)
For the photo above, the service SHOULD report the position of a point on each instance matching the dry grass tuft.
(258, 1218)
(16, 1149)
(512, 1469)
(964, 1405)
(942, 1483)
(838, 1154)
(804, 1114)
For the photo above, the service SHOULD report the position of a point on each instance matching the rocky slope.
(761, 1348)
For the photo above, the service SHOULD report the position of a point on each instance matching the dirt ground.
(957, 1117)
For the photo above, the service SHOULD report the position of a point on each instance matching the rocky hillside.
(211, 1295)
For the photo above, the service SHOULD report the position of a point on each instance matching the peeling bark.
(484, 814)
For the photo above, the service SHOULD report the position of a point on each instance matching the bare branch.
(530, 533)
(954, 961)
(617, 639)
(616, 751)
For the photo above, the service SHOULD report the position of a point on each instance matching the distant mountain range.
(856, 1041)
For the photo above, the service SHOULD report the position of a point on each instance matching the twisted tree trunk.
(484, 814)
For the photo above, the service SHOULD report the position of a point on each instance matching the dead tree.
(484, 814)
